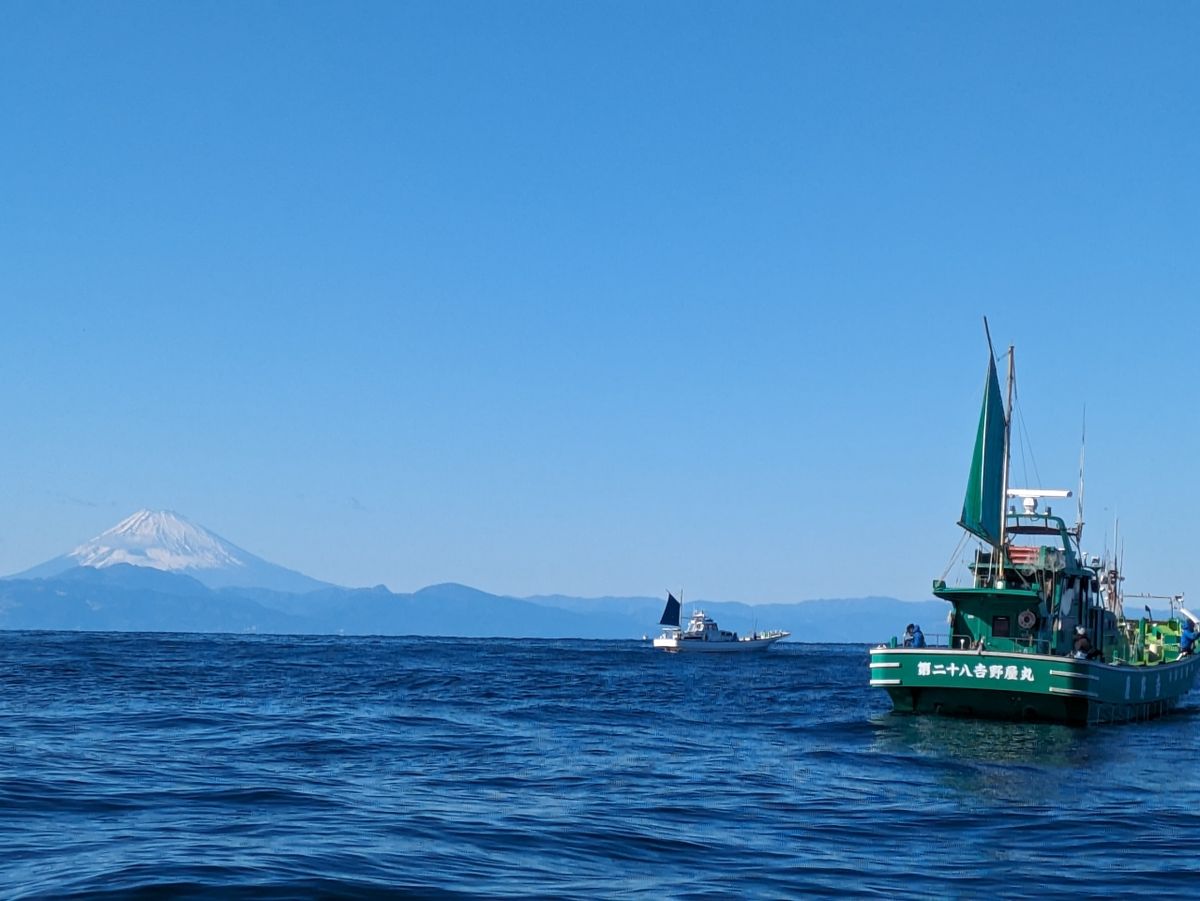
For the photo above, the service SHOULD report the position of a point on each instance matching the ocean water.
(275, 767)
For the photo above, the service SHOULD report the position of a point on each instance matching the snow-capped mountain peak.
(160, 539)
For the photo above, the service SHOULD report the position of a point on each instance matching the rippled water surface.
(228, 766)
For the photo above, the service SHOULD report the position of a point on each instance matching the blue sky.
(595, 298)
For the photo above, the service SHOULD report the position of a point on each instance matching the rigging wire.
(1020, 415)
(966, 536)
(1025, 439)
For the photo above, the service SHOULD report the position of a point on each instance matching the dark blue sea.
(202, 766)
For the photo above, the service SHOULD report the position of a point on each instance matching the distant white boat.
(703, 635)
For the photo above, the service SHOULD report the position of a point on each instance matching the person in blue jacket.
(918, 637)
(1187, 641)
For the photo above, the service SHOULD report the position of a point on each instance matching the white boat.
(703, 635)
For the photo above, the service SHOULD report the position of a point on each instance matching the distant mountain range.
(158, 572)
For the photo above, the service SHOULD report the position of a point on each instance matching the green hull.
(1018, 686)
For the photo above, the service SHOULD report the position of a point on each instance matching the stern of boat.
(1016, 686)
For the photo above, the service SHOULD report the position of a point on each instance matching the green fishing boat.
(1039, 632)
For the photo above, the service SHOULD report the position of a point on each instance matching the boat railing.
(932, 640)
(1028, 645)
(1020, 644)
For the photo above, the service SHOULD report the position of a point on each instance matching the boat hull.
(1016, 686)
(699, 646)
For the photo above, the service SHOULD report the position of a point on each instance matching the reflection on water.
(984, 741)
(997, 763)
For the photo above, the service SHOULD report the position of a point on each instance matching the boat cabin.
(1032, 594)
(704, 628)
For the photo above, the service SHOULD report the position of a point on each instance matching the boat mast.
(1007, 454)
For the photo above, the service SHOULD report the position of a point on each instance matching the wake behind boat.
(702, 634)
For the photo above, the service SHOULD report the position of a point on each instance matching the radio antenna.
(1082, 449)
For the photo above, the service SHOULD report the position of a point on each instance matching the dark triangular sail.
(670, 615)
(984, 503)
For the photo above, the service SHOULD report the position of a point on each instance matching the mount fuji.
(164, 540)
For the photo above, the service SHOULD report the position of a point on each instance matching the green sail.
(984, 503)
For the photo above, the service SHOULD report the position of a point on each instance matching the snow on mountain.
(162, 539)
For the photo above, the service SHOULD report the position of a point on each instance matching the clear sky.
(595, 298)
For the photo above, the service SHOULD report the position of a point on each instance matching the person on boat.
(1187, 639)
(918, 637)
(1083, 646)
(908, 635)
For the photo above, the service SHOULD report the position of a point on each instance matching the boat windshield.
(1033, 531)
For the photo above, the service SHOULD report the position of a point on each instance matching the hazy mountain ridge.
(156, 571)
(123, 597)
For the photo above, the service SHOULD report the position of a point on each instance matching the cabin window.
(1000, 627)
